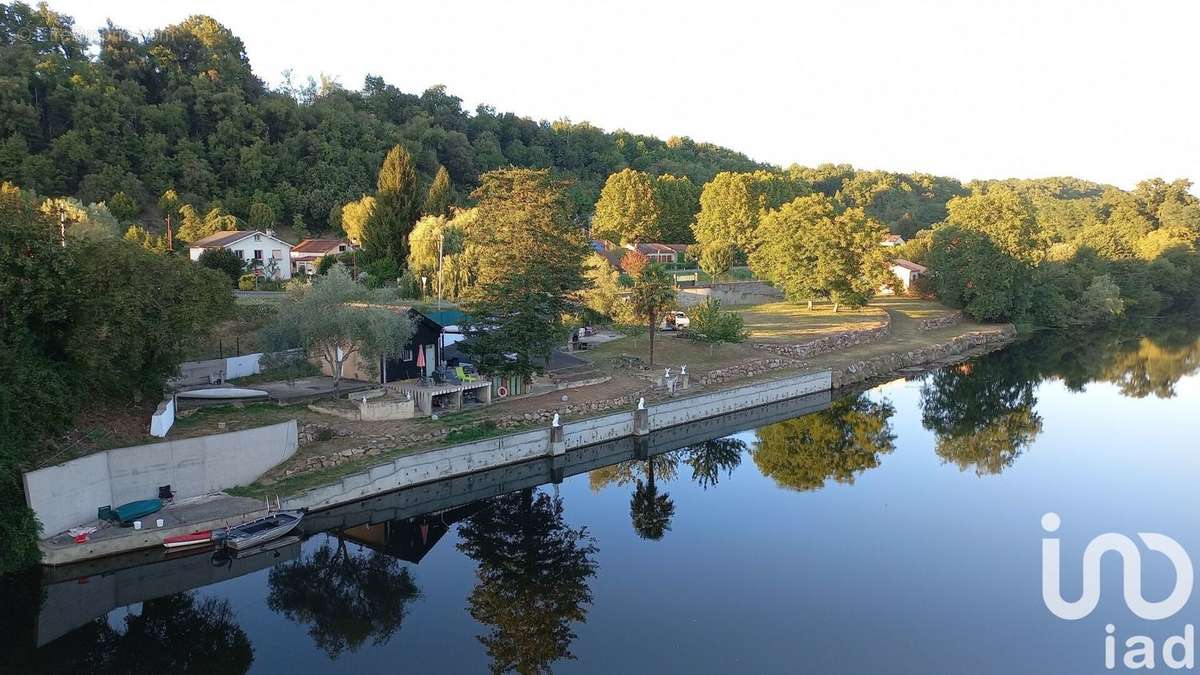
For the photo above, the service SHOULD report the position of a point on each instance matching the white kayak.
(223, 392)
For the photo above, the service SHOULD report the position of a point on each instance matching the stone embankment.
(956, 349)
(941, 321)
(830, 343)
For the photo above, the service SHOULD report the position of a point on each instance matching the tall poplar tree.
(437, 202)
(397, 206)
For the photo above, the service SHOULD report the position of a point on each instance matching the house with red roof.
(306, 255)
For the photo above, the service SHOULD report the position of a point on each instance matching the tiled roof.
(909, 265)
(219, 239)
(319, 245)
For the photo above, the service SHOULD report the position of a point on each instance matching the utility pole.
(170, 236)
(62, 227)
(441, 246)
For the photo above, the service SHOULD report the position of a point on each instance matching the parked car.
(674, 321)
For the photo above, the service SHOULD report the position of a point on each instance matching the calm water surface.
(895, 531)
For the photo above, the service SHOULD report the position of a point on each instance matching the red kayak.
(202, 537)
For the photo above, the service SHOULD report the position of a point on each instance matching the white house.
(308, 253)
(269, 255)
(892, 240)
(908, 271)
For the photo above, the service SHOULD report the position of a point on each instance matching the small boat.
(222, 392)
(260, 531)
(127, 513)
(192, 539)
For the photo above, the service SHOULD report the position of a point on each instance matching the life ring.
(502, 391)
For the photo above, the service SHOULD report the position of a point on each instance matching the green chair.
(462, 375)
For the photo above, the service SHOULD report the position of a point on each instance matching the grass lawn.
(671, 349)
(795, 322)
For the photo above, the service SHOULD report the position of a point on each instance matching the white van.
(674, 321)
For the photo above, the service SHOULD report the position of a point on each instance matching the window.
(258, 254)
(277, 253)
(406, 354)
(341, 248)
(241, 254)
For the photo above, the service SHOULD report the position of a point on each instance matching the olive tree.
(335, 318)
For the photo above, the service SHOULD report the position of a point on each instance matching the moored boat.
(191, 539)
(262, 530)
(127, 513)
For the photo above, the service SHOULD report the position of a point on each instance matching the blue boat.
(127, 513)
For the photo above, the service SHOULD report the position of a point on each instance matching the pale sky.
(1100, 90)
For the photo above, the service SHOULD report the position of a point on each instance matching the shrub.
(222, 260)
(707, 323)
(248, 282)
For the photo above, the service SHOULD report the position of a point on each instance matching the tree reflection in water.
(345, 597)
(835, 444)
(179, 633)
(533, 571)
(982, 411)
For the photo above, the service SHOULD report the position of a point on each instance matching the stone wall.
(832, 342)
(941, 321)
(747, 369)
(956, 349)
(729, 293)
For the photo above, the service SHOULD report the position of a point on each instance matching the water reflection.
(835, 444)
(345, 597)
(982, 411)
(179, 633)
(532, 572)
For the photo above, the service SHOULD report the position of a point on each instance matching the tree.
(708, 323)
(603, 290)
(627, 209)
(530, 272)
(716, 258)
(532, 573)
(123, 207)
(653, 293)
(971, 273)
(811, 247)
(355, 216)
(344, 597)
(223, 260)
(1004, 215)
(335, 318)
(262, 217)
(633, 262)
(437, 201)
(397, 206)
(678, 200)
(838, 444)
(192, 227)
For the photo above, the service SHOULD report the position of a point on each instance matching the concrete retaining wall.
(67, 495)
(462, 459)
(241, 366)
(732, 293)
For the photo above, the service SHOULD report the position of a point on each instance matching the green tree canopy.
(627, 210)
(678, 200)
(530, 271)
(437, 201)
(396, 209)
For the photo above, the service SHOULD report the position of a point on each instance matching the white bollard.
(137, 524)
(158, 523)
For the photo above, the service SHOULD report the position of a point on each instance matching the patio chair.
(462, 375)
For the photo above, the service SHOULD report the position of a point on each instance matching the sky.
(972, 89)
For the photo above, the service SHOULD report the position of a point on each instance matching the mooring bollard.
(558, 443)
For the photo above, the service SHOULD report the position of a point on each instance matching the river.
(896, 530)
